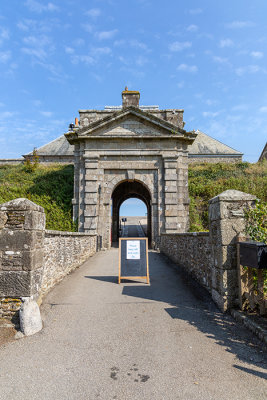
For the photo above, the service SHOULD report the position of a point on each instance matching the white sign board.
(133, 250)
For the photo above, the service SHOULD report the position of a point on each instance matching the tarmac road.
(133, 341)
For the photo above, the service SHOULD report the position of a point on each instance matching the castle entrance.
(124, 191)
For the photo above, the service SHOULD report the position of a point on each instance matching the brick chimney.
(130, 98)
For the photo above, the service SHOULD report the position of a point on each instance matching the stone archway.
(125, 190)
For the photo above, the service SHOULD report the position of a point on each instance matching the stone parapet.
(192, 252)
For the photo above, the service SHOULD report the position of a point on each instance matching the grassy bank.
(209, 180)
(52, 188)
(48, 186)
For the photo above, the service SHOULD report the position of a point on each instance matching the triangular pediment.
(130, 122)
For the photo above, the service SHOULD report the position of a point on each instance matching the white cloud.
(85, 59)
(226, 43)
(263, 109)
(4, 35)
(249, 69)
(195, 11)
(179, 46)
(93, 12)
(210, 114)
(138, 45)
(187, 68)
(180, 84)
(140, 61)
(38, 53)
(101, 50)
(106, 34)
(240, 24)
(192, 28)
(256, 54)
(4, 56)
(46, 113)
(120, 42)
(38, 7)
(69, 50)
(88, 27)
(220, 60)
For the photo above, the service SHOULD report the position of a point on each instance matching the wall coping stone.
(186, 234)
(21, 204)
(232, 195)
(66, 233)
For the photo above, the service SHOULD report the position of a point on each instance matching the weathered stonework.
(33, 260)
(130, 145)
(63, 252)
(211, 256)
(191, 251)
(226, 220)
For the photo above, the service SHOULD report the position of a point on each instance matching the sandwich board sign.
(133, 258)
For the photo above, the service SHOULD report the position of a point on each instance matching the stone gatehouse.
(130, 152)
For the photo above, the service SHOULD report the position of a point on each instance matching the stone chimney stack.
(130, 98)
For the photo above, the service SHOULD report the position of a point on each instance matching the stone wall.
(211, 256)
(192, 252)
(33, 260)
(63, 252)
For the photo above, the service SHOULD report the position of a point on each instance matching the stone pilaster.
(91, 194)
(226, 218)
(21, 250)
(171, 194)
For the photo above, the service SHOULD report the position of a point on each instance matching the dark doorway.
(126, 190)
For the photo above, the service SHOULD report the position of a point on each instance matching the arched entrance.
(126, 190)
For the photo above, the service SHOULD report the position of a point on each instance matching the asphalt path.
(162, 341)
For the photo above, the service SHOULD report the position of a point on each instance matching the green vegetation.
(256, 222)
(48, 186)
(51, 186)
(209, 180)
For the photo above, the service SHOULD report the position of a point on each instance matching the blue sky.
(207, 57)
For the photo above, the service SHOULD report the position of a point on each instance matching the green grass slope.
(48, 186)
(209, 180)
(51, 186)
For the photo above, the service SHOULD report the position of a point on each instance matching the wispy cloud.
(263, 109)
(106, 34)
(141, 60)
(187, 68)
(137, 44)
(93, 12)
(69, 50)
(39, 47)
(84, 59)
(210, 114)
(192, 28)
(88, 27)
(39, 7)
(221, 60)
(47, 114)
(249, 69)
(101, 51)
(226, 43)
(256, 54)
(179, 46)
(5, 56)
(195, 11)
(240, 24)
(4, 35)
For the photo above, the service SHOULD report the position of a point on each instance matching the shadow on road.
(192, 303)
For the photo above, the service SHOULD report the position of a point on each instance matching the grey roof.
(58, 147)
(204, 144)
(263, 155)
